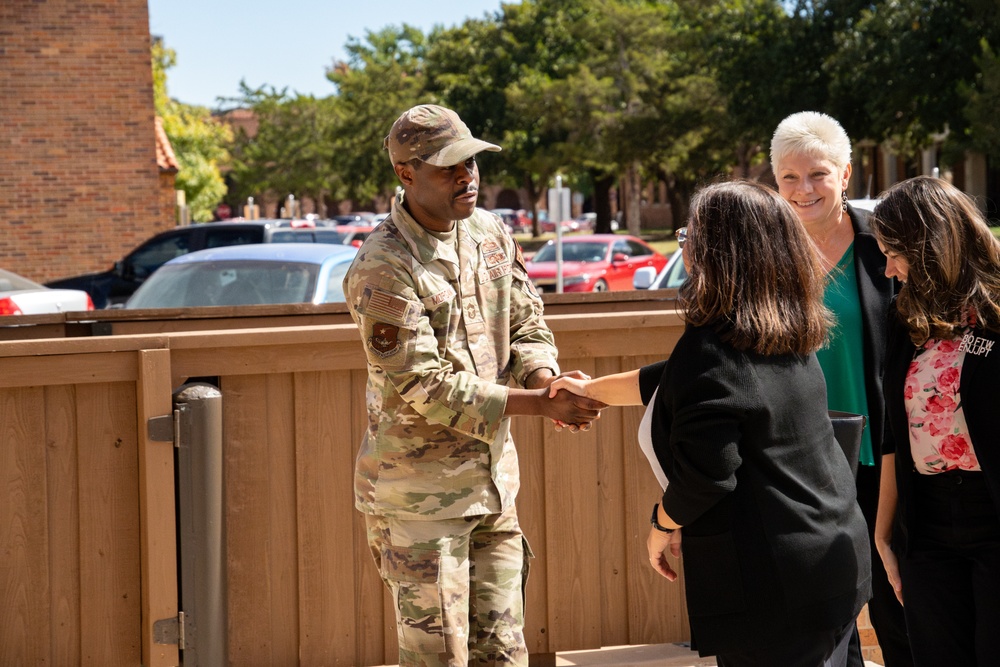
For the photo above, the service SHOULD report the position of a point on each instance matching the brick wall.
(79, 184)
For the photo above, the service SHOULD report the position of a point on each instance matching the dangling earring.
(843, 197)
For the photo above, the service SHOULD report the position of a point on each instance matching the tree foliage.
(199, 143)
(606, 91)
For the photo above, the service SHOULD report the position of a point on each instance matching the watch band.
(656, 524)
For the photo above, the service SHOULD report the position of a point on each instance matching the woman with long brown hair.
(938, 527)
(776, 556)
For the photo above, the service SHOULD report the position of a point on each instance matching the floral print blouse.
(939, 436)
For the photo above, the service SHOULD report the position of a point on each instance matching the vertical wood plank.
(571, 509)
(612, 441)
(64, 521)
(529, 437)
(657, 611)
(248, 538)
(24, 584)
(110, 588)
(284, 571)
(325, 467)
(157, 514)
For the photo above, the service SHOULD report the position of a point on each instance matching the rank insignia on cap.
(384, 340)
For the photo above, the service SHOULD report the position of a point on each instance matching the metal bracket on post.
(163, 428)
(170, 631)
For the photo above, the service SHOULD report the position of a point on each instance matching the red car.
(593, 263)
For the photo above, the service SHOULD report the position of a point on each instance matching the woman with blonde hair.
(938, 529)
(775, 559)
(811, 161)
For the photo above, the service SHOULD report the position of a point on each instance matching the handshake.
(567, 403)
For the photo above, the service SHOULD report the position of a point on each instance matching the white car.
(20, 296)
(671, 276)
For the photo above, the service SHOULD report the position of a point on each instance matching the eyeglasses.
(682, 236)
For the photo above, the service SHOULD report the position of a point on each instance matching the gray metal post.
(201, 525)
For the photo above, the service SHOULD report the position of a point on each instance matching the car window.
(637, 249)
(231, 283)
(624, 248)
(335, 283)
(217, 238)
(573, 252)
(151, 256)
(675, 276)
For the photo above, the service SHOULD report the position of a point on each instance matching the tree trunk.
(529, 187)
(633, 198)
(602, 201)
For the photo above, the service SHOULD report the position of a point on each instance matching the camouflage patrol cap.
(434, 135)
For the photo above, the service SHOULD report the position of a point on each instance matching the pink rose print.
(912, 369)
(911, 387)
(955, 450)
(937, 404)
(948, 346)
(947, 379)
(939, 424)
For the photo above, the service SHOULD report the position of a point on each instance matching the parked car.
(671, 276)
(866, 204)
(116, 285)
(354, 218)
(247, 275)
(517, 222)
(593, 263)
(20, 296)
(354, 235)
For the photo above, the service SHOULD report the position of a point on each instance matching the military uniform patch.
(384, 340)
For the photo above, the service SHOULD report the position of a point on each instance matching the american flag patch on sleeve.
(387, 306)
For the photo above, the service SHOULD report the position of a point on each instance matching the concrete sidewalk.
(643, 655)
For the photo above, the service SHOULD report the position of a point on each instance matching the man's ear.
(404, 171)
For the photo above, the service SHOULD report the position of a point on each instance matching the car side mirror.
(619, 257)
(643, 277)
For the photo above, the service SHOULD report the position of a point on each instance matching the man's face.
(438, 196)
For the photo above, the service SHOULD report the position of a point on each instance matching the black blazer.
(875, 292)
(980, 392)
(774, 542)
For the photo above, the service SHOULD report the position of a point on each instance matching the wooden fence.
(88, 558)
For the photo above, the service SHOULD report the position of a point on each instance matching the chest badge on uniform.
(385, 339)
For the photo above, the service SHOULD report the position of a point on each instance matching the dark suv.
(116, 285)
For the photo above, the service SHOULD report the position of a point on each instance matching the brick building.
(79, 179)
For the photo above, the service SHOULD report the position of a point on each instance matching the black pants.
(814, 649)
(884, 610)
(951, 573)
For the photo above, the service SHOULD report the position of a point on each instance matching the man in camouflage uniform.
(456, 344)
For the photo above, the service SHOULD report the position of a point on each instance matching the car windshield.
(578, 251)
(233, 283)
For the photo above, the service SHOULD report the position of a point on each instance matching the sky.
(280, 43)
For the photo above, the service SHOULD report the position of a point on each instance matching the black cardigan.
(980, 392)
(774, 542)
(875, 292)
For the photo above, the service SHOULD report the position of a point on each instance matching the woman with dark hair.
(939, 504)
(776, 558)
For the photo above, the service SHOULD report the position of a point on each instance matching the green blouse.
(842, 358)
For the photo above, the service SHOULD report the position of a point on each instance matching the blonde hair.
(811, 133)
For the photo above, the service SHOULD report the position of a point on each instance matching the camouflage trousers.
(458, 587)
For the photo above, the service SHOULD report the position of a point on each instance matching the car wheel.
(600, 286)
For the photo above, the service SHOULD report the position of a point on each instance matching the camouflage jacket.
(444, 332)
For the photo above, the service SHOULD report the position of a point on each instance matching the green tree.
(913, 60)
(199, 143)
(290, 152)
(383, 76)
